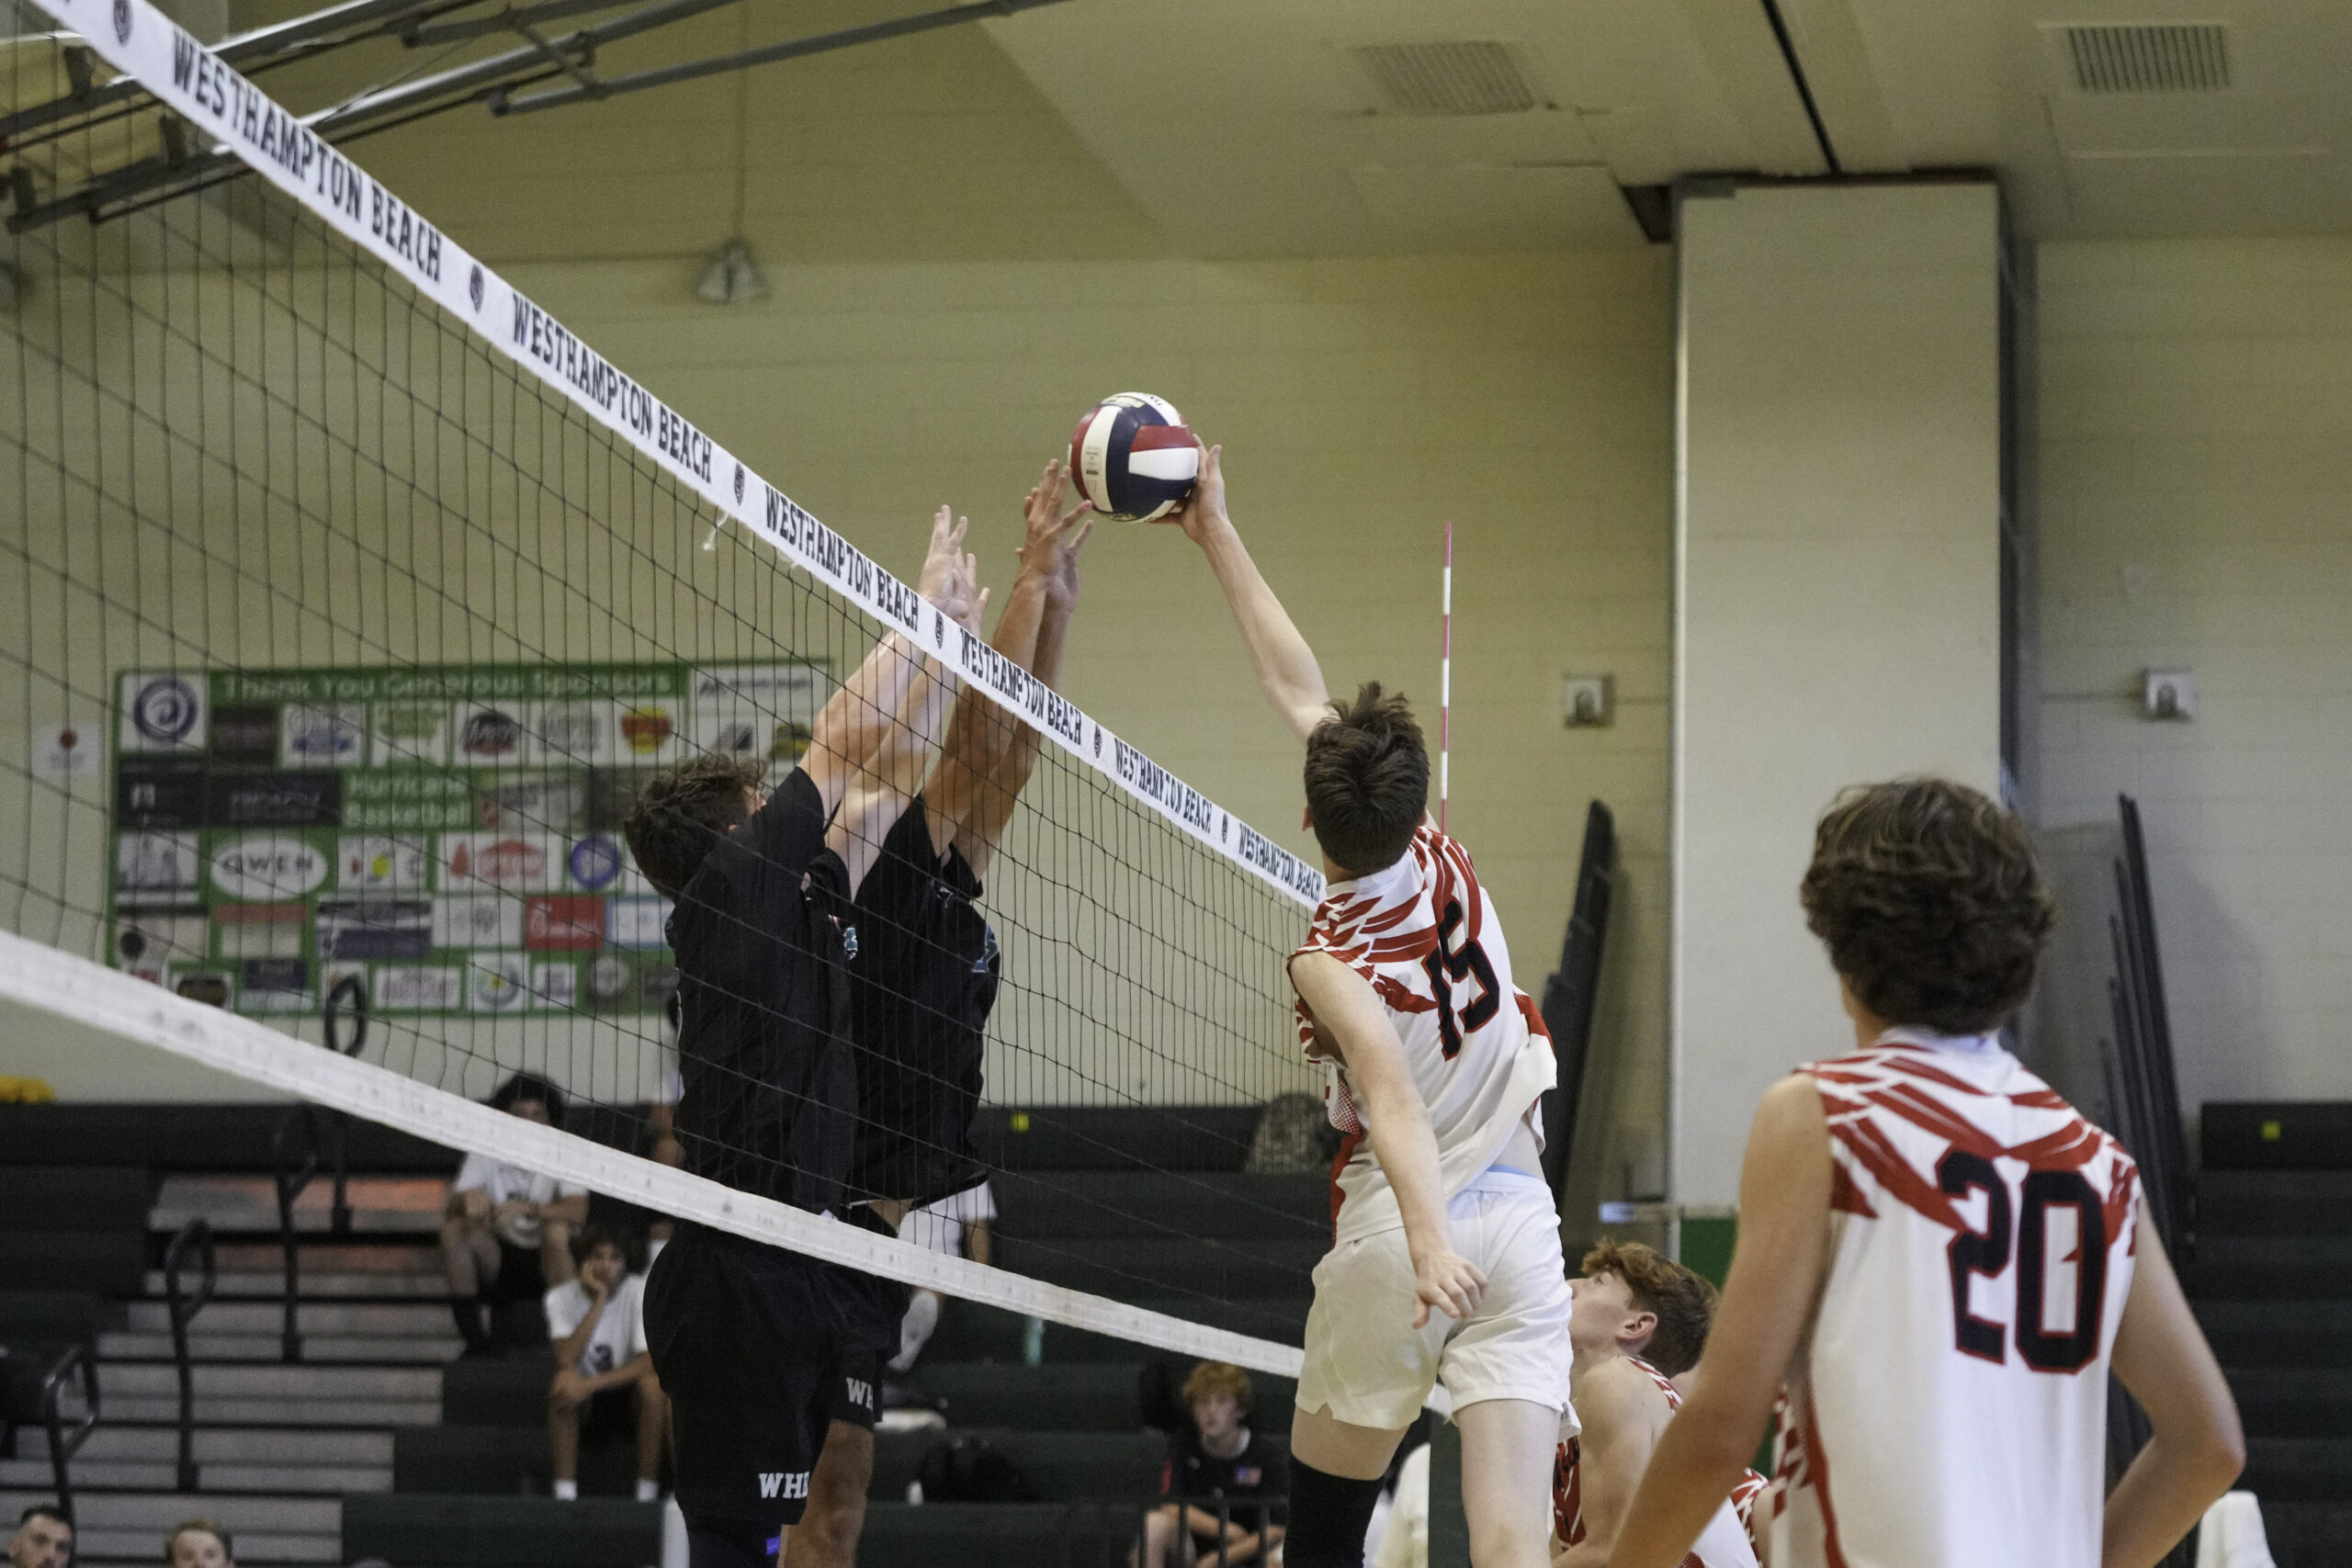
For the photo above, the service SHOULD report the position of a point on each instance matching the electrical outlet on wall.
(1587, 700)
(2168, 695)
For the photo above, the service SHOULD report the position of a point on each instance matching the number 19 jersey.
(1424, 937)
(1948, 1408)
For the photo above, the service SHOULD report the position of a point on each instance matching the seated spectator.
(44, 1539)
(957, 1226)
(199, 1543)
(603, 1379)
(1218, 1467)
(506, 1225)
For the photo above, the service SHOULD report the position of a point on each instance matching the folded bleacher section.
(379, 1441)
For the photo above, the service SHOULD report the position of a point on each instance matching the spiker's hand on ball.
(1202, 512)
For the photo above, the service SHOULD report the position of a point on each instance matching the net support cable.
(37, 975)
(223, 108)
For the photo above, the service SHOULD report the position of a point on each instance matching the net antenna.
(1446, 677)
(386, 590)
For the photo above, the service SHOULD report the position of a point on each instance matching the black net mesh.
(334, 646)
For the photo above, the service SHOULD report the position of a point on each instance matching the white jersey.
(1949, 1406)
(1726, 1542)
(1423, 933)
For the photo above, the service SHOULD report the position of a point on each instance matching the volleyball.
(1133, 458)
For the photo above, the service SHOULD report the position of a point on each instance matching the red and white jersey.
(1726, 1542)
(1949, 1407)
(1424, 935)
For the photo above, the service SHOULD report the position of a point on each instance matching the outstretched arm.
(894, 771)
(855, 719)
(1775, 1270)
(1342, 1004)
(980, 779)
(1286, 670)
(1614, 1448)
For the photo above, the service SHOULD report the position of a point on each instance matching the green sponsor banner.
(446, 836)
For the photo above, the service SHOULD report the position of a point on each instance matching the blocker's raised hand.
(945, 553)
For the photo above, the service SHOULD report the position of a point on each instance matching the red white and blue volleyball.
(1132, 456)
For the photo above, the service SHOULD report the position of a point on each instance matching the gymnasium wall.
(1839, 591)
(2196, 411)
(1361, 403)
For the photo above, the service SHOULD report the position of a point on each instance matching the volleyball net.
(351, 599)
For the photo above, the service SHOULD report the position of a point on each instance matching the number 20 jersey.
(1423, 933)
(1949, 1406)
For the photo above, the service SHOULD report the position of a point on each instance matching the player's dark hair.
(43, 1511)
(682, 812)
(1928, 898)
(530, 1086)
(1367, 781)
(1682, 1301)
(620, 1238)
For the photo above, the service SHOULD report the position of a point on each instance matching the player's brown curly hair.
(1928, 898)
(1683, 1302)
(681, 813)
(1367, 781)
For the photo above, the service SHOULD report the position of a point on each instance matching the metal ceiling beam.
(794, 49)
(243, 50)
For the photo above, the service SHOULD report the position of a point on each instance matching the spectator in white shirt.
(604, 1376)
(957, 1226)
(505, 1223)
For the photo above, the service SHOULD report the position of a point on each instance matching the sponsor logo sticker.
(498, 982)
(260, 867)
(162, 712)
(595, 862)
(371, 863)
(517, 863)
(324, 737)
(423, 988)
(555, 986)
(260, 930)
(636, 922)
(478, 921)
(610, 977)
(563, 922)
(490, 735)
(646, 729)
(155, 862)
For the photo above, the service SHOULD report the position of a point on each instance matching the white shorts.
(1368, 1365)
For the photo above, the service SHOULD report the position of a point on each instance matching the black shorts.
(759, 1350)
(609, 1416)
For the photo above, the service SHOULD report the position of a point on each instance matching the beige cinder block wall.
(2196, 408)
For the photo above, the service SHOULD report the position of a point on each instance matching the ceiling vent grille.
(2149, 58)
(1447, 78)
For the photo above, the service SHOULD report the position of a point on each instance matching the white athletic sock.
(567, 1491)
(915, 1328)
(648, 1490)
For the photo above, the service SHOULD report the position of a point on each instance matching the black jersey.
(1253, 1483)
(922, 983)
(770, 1097)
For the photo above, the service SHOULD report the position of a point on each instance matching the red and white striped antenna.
(1445, 681)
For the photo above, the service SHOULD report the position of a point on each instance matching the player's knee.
(1509, 1543)
(1329, 1517)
